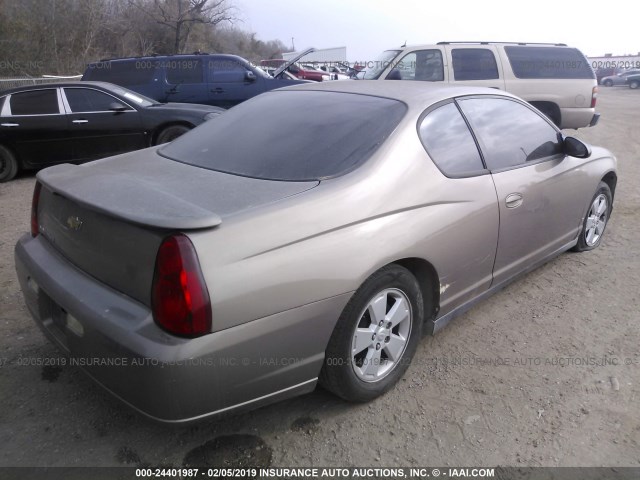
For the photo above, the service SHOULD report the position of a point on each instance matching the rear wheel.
(170, 133)
(8, 165)
(596, 220)
(634, 84)
(375, 337)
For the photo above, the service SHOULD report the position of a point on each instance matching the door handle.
(217, 90)
(10, 124)
(80, 121)
(514, 200)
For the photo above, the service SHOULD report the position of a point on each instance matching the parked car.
(269, 249)
(209, 79)
(603, 72)
(307, 72)
(556, 79)
(341, 68)
(633, 81)
(80, 121)
(620, 78)
(333, 72)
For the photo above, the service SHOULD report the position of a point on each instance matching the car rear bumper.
(577, 117)
(114, 339)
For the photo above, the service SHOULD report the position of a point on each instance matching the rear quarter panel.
(327, 241)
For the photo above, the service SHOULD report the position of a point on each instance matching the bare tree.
(182, 15)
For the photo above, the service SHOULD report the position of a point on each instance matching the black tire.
(392, 283)
(551, 111)
(591, 235)
(170, 133)
(634, 84)
(8, 165)
(608, 83)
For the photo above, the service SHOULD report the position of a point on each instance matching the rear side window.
(548, 62)
(35, 102)
(447, 139)
(124, 73)
(291, 135)
(183, 71)
(474, 64)
(510, 133)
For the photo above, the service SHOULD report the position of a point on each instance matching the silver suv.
(555, 78)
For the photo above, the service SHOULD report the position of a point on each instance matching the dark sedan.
(633, 81)
(80, 121)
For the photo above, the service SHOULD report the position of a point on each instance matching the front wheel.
(608, 83)
(634, 84)
(8, 165)
(375, 337)
(170, 133)
(596, 220)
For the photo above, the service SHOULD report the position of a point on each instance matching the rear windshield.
(548, 62)
(291, 135)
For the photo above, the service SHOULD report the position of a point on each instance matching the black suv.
(211, 79)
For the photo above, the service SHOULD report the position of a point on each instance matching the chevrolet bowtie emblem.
(74, 223)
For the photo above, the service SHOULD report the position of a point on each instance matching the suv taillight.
(34, 210)
(179, 297)
(594, 97)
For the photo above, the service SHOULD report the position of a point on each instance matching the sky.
(367, 27)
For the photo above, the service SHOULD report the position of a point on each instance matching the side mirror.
(249, 76)
(576, 148)
(117, 107)
(394, 75)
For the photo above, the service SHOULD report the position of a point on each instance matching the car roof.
(404, 91)
(177, 56)
(105, 85)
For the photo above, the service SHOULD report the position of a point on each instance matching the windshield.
(274, 136)
(375, 68)
(135, 97)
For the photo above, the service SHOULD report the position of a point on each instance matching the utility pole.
(293, 45)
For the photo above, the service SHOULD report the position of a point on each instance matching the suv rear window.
(548, 62)
(125, 73)
(291, 135)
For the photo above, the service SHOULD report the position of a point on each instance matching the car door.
(96, 129)
(425, 65)
(477, 66)
(467, 248)
(184, 80)
(231, 82)
(541, 193)
(33, 124)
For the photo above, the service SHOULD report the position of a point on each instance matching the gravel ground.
(537, 393)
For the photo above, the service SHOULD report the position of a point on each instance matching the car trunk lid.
(109, 217)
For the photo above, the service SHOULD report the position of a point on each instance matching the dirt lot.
(523, 384)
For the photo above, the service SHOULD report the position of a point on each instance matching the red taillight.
(594, 97)
(34, 209)
(179, 297)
